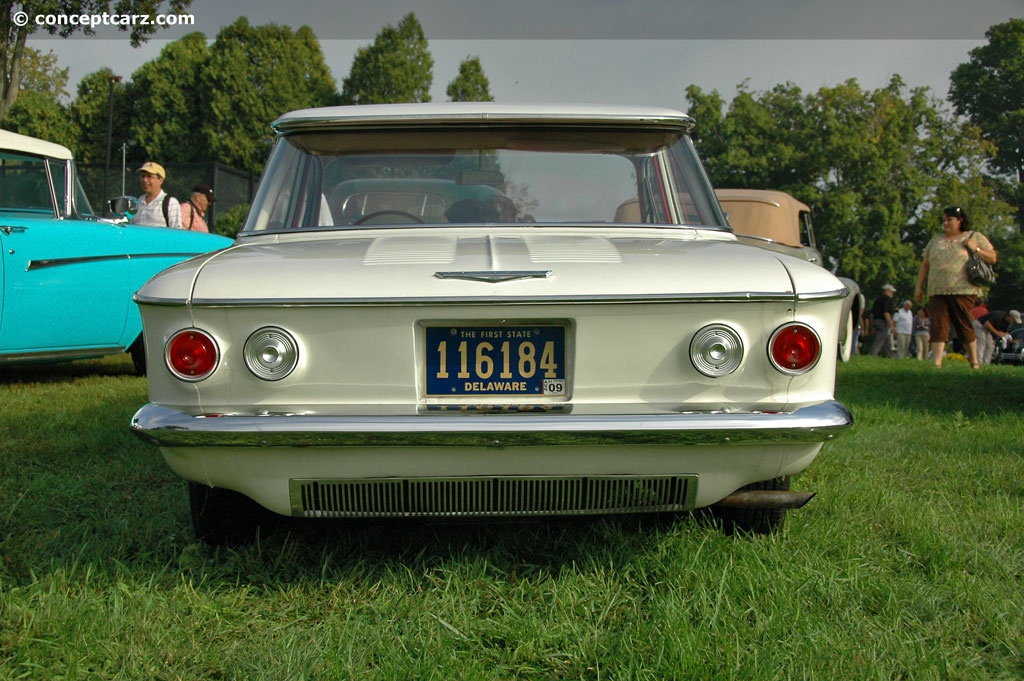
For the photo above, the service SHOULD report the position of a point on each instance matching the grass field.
(909, 564)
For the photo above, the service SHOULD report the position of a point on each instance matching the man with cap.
(157, 208)
(998, 323)
(882, 312)
(193, 211)
(903, 321)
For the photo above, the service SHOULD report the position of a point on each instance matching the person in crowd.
(193, 211)
(986, 346)
(881, 313)
(157, 208)
(951, 295)
(903, 321)
(922, 329)
(1016, 327)
(996, 325)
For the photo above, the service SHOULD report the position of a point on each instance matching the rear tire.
(754, 520)
(223, 517)
(138, 353)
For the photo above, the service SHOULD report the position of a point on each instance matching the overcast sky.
(617, 51)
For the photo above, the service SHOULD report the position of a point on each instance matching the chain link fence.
(231, 187)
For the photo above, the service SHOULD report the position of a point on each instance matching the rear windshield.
(505, 175)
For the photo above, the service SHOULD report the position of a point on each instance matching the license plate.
(515, 361)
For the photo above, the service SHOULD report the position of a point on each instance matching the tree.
(470, 85)
(253, 75)
(16, 25)
(397, 67)
(39, 110)
(167, 96)
(90, 112)
(989, 90)
(876, 166)
(37, 115)
(709, 133)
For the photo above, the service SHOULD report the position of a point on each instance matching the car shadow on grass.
(63, 372)
(294, 550)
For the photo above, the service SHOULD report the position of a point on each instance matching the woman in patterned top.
(951, 295)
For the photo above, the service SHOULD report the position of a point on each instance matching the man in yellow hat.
(157, 209)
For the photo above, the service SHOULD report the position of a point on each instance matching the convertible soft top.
(12, 141)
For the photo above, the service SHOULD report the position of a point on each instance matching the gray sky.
(618, 51)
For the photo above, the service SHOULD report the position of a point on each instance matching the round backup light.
(716, 350)
(794, 349)
(271, 353)
(191, 355)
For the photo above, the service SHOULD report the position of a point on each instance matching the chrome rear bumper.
(171, 428)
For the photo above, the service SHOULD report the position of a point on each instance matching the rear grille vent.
(572, 249)
(491, 496)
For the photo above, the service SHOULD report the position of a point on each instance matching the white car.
(488, 310)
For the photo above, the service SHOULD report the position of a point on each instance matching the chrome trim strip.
(404, 116)
(172, 428)
(754, 297)
(57, 355)
(61, 262)
(495, 276)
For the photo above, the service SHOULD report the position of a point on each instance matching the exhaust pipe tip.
(766, 499)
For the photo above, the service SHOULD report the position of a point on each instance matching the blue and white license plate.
(506, 361)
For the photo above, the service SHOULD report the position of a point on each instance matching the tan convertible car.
(467, 310)
(777, 221)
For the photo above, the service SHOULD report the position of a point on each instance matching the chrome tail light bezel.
(203, 363)
(271, 353)
(716, 350)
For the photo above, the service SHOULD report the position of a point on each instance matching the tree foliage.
(396, 67)
(989, 90)
(471, 84)
(90, 112)
(876, 166)
(14, 33)
(197, 102)
(39, 110)
(253, 75)
(166, 101)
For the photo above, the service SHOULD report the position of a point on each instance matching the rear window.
(505, 175)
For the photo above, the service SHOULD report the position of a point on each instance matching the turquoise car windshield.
(25, 187)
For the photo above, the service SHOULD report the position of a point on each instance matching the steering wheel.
(379, 213)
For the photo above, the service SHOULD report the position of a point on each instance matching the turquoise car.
(67, 277)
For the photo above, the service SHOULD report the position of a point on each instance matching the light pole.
(110, 132)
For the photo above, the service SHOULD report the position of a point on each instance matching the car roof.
(468, 112)
(12, 141)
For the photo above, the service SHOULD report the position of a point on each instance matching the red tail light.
(191, 355)
(794, 349)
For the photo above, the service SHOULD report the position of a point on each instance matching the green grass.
(907, 565)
